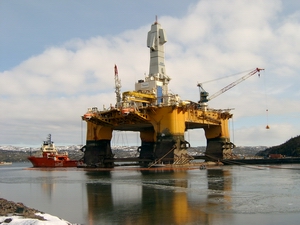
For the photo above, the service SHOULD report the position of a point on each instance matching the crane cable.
(266, 100)
(220, 78)
(232, 128)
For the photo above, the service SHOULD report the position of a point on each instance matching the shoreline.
(18, 213)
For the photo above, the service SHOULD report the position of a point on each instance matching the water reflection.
(225, 195)
(219, 200)
(156, 197)
(48, 188)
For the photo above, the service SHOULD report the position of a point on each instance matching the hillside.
(20, 154)
(290, 148)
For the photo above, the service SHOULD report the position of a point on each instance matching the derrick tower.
(160, 117)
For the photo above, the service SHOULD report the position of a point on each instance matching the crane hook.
(267, 127)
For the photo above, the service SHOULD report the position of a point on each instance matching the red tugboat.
(51, 158)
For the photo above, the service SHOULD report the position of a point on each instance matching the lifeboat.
(126, 111)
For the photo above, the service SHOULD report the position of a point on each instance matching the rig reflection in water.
(157, 197)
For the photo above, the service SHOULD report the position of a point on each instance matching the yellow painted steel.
(220, 130)
(147, 135)
(96, 132)
(138, 95)
(170, 120)
(214, 122)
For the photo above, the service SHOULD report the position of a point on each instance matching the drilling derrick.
(160, 117)
(117, 88)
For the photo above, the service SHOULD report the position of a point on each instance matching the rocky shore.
(17, 213)
(13, 208)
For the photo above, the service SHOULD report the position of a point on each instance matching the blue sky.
(57, 58)
(30, 26)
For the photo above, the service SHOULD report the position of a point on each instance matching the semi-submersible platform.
(159, 116)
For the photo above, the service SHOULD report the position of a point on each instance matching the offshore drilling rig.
(160, 117)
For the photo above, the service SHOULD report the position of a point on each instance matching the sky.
(57, 59)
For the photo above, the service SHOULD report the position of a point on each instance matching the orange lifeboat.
(126, 111)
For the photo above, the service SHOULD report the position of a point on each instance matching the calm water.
(225, 195)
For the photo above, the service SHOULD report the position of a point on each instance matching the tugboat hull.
(51, 162)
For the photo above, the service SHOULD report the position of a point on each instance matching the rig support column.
(218, 141)
(147, 144)
(169, 127)
(98, 146)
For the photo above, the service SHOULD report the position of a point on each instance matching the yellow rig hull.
(161, 132)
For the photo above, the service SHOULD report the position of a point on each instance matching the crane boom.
(257, 70)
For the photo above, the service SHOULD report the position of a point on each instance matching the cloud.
(50, 91)
(267, 137)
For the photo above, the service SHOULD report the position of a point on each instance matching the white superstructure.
(157, 80)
